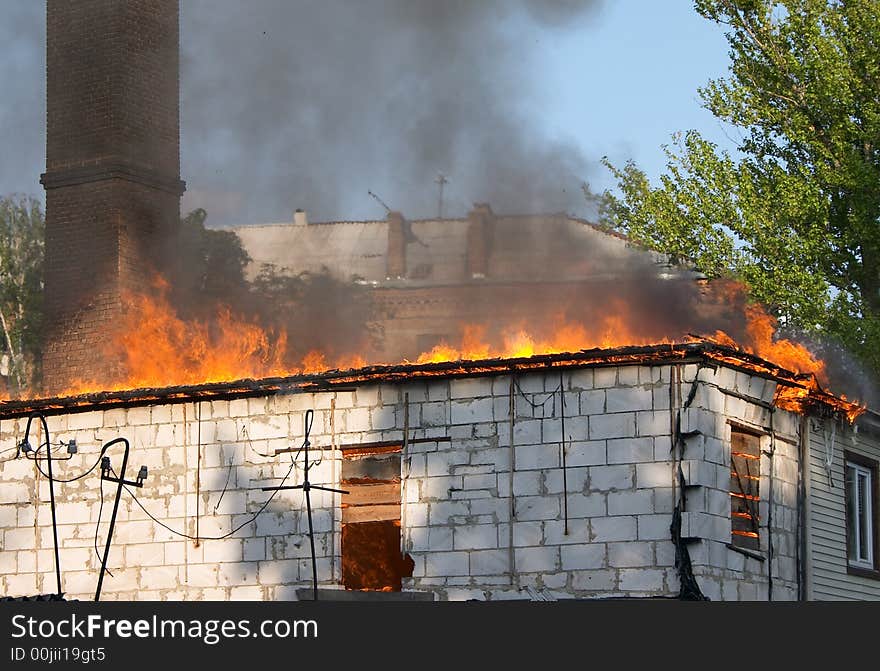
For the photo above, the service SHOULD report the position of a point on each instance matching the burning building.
(594, 460)
(663, 471)
(531, 273)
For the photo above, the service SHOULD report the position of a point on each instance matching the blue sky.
(616, 81)
(648, 59)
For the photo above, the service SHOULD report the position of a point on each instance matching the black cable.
(211, 538)
(73, 479)
(119, 481)
(225, 485)
(208, 538)
(98, 525)
(162, 524)
(27, 432)
(308, 430)
(55, 448)
(249, 443)
(550, 395)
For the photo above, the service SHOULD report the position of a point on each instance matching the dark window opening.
(371, 548)
(745, 478)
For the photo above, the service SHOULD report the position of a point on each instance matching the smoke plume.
(313, 103)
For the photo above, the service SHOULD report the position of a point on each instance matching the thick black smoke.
(313, 103)
(23, 106)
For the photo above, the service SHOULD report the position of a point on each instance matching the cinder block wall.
(208, 461)
(719, 404)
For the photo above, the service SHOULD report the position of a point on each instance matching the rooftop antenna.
(408, 234)
(440, 181)
(381, 202)
(306, 486)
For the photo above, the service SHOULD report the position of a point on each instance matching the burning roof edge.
(813, 399)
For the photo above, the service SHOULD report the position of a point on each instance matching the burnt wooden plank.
(370, 449)
(749, 485)
(741, 505)
(745, 443)
(745, 466)
(742, 524)
(360, 495)
(355, 514)
(384, 467)
(387, 445)
(747, 542)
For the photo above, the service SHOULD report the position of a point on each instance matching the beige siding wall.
(828, 578)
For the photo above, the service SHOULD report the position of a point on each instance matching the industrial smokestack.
(112, 175)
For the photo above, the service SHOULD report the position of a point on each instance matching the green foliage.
(210, 263)
(21, 285)
(797, 214)
(317, 311)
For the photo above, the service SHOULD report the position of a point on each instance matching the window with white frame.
(861, 537)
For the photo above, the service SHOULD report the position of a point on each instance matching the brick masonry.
(456, 490)
(112, 169)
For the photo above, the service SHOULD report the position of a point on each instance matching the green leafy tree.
(796, 212)
(209, 264)
(318, 312)
(21, 287)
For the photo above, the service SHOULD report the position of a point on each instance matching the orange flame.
(793, 356)
(157, 348)
(614, 330)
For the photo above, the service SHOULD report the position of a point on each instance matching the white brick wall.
(456, 517)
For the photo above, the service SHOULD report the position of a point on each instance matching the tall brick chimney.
(112, 175)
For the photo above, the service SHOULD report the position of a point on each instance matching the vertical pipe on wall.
(52, 501)
(673, 408)
(804, 482)
(333, 501)
(770, 510)
(198, 409)
(511, 501)
(121, 481)
(564, 463)
(185, 497)
(404, 461)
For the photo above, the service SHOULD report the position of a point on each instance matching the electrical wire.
(290, 470)
(249, 443)
(207, 538)
(73, 479)
(27, 432)
(307, 432)
(550, 395)
(293, 466)
(98, 525)
(225, 485)
(55, 447)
